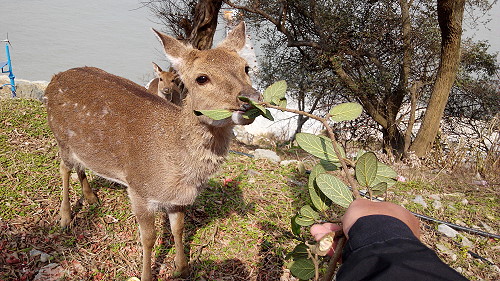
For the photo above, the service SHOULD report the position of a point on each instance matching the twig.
(335, 144)
(332, 265)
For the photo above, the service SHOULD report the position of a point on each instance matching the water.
(50, 36)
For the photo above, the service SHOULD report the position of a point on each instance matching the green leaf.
(334, 189)
(252, 113)
(295, 226)
(303, 221)
(360, 152)
(308, 212)
(319, 146)
(319, 200)
(275, 93)
(216, 114)
(300, 251)
(267, 114)
(346, 111)
(282, 103)
(329, 166)
(385, 174)
(262, 110)
(379, 189)
(366, 169)
(302, 268)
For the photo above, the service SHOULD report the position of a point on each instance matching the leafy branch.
(324, 188)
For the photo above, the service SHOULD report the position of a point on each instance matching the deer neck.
(204, 143)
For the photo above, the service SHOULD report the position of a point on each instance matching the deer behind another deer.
(164, 85)
(163, 153)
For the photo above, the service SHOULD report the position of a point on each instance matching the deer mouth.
(241, 117)
(245, 107)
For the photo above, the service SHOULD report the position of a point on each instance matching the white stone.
(50, 272)
(44, 257)
(267, 154)
(435, 197)
(448, 231)
(464, 201)
(487, 227)
(465, 241)
(420, 200)
(289, 162)
(437, 204)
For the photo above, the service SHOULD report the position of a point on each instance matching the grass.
(238, 228)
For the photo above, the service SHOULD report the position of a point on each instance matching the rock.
(50, 272)
(253, 173)
(24, 88)
(44, 257)
(35, 252)
(289, 162)
(465, 241)
(436, 204)
(459, 222)
(464, 201)
(435, 197)
(447, 251)
(448, 231)
(487, 227)
(420, 200)
(242, 135)
(267, 154)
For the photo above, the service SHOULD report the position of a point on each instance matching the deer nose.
(250, 93)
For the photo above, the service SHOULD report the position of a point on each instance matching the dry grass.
(236, 230)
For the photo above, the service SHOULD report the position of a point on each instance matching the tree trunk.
(205, 24)
(450, 14)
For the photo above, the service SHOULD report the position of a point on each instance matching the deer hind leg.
(65, 210)
(86, 189)
(176, 219)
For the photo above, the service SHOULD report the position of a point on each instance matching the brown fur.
(162, 152)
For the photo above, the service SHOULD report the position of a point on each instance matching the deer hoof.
(181, 272)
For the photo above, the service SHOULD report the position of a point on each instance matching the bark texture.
(450, 15)
(205, 24)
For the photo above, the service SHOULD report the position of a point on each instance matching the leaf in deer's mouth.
(217, 114)
(255, 110)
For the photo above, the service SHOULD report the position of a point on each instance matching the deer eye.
(201, 80)
(161, 79)
(247, 69)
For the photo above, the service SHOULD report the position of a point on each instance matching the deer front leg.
(65, 210)
(146, 221)
(87, 191)
(176, 219)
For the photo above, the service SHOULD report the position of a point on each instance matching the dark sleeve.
(384, 248)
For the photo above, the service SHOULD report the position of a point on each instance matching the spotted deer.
(163, 153)
(165, 86)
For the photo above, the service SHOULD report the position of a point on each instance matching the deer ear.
(157, 68)
(174, 49)
(235, 40)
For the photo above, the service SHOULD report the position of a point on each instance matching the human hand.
(363, 207)
(320, 230)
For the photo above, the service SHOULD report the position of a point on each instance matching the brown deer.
(163, 153)
(164, 85)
